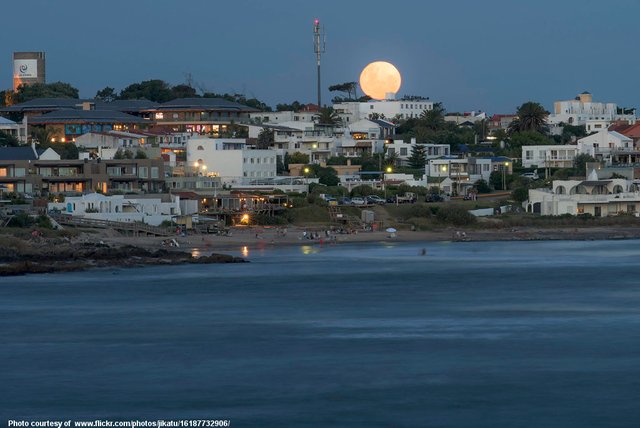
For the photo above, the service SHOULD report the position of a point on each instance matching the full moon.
(379, 79)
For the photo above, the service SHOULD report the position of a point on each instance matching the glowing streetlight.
(504, 185)
(306, 170)
(389, 170)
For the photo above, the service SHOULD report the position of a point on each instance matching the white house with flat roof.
(351, 112)
(598, 197)
(552, 156)
(229, 159)
(152, 209)
(277, 117)
(583, 109)
(402, 150)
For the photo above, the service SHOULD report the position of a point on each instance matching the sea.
(464, 334)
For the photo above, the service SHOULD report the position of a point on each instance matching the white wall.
(556, 156)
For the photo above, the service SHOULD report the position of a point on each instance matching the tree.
(482, 186)
(8, 140)
(123, 154)
(265, 138)
(580, 164)
(295, 158)
(107, 94)
(349, 88)
(326, 175)
(528, 138)
(530, 116)
(418, 157)
(152, 90)
(376, 116)
(433, 119)
(571, 133)
(392, 158)
(183, 91)
(328, 116)
(140, 154)
(44, 90)
(520, 194)
(294, 106)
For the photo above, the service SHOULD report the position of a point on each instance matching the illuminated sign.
(25, 68)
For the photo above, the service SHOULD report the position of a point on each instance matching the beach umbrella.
(391, 230)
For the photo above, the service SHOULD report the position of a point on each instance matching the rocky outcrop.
(19, 257)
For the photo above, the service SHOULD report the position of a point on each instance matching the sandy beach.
(272, 237)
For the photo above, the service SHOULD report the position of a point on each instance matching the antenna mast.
(318, 48)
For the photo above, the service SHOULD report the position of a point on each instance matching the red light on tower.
(316, 22)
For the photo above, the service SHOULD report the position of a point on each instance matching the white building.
(17, 130)
(111, 139)
(152, 209)
(403, 150)
(278, 117)
(604, 144)
(230, 159)
(467, 117)
(464, 172)
(582, 109)
(600, 198)
(351, 112)
(555, 156)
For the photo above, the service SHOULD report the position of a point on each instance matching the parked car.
(407, 198)
(530, 175)
(358, 201)
(375, 199)
(344, 201)
(433, 197)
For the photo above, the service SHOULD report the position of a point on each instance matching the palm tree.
(434, 118)
(328, 116)
(531, 116)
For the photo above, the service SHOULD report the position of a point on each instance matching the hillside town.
(163, 155)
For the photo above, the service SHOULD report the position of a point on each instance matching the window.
(20, 172)
(159, 115)
(4, 172)
(200, 148)
(403, 151)
(370, 107)
(143, 172)
(155, 172)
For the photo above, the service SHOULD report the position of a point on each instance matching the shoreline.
(269, 238)
(19, 256)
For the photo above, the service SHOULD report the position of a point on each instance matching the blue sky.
(489, 55)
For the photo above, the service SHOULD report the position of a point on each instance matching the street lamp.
(389, 170)
(504, 186)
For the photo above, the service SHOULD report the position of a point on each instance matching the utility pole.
(318, 48)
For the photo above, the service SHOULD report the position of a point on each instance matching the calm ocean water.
(516, 334)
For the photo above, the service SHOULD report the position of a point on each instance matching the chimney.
(88, 105)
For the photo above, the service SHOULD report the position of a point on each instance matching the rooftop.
(203, 104)
(17, 153)
(85, 116)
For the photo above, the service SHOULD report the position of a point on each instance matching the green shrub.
(456, 216)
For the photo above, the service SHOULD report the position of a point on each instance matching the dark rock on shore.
(19, 258)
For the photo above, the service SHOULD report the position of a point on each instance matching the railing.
(134, 227)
